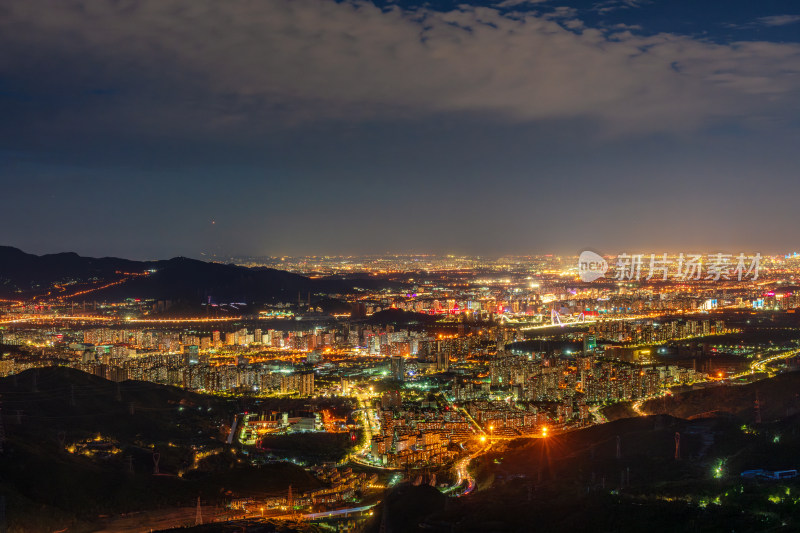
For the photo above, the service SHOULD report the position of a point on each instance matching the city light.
(361, 265)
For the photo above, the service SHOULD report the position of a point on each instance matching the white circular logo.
(591, 266)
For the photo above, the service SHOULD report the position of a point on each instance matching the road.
(371, 426)
(598, 415)
(159, 519)
(476, 428)
(463, 474)
(339, 512)
(761, 364)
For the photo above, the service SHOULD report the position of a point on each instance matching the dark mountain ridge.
(24, 275)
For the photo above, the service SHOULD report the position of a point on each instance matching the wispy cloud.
(517, 3)
(613, 5)
(562, 12)
(779, 20)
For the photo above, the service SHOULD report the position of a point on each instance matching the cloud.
(169, 67)
(562, 12)
(779, 20)
(770, 21)
(515, 3)
(614, 5)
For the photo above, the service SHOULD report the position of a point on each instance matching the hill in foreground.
(777, 398)
(578, 481)
(80, 450)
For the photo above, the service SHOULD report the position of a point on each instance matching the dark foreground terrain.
(81, 451)
(576, 482)
(624, 476)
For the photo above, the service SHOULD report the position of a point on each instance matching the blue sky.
(152, 129)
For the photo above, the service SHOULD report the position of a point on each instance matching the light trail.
(368, 419)
(462, 470)
(107, 319)
(477, 428)
(598, 415)
(760, 365)
(338, 512)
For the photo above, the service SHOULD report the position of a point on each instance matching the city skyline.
(152, 130)
(399, 265)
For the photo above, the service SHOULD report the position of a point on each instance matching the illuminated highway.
(119, 320)
(463, 475)
(339, 512)
(761, 364)
(599, 417)
(371, 425)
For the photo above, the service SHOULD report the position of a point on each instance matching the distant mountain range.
(24, 275)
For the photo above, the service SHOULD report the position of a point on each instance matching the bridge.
(555, 318)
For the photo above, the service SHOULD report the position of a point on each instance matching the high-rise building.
(398, 367)
(302, 383)
(442, 362)
(589, 344)
(191, 355)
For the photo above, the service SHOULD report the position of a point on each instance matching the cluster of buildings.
(655, 332)
(539, 378)
(170, 341)
(341, 485)
(505, 419)
(417, 435)
(256, 425)
(610, 383)
(182, 371)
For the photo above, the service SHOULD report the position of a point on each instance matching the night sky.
(163, 128)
